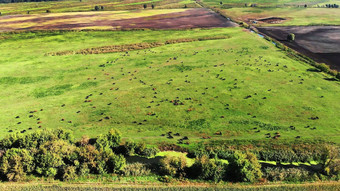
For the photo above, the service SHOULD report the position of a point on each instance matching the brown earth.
(321, 43)
(191, 18)
(272, 20)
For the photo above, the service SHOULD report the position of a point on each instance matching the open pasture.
(269, 3)
(239, 87)
(89, 5)
(285, 16)
(152, 19)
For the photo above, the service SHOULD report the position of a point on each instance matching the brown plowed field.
(322, 43)
(180, 19)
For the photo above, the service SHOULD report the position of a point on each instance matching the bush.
(50, 157)
(244, 167)
(291, 37)
(173, 166)
(287, 174)
(149, 152)
(323, 67)
(115, 163)
(68, 173)
(110, 140)
(338, 75)
(15, 164)
(206, 169)
(136, 169)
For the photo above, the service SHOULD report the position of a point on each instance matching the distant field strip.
(154, 19)
(130, 47)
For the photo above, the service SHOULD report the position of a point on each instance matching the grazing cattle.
(177, 134)
(19, 123)
(69, 121)
(23, 131)
(10, 131)
(39, 122)
(62, 119)
(218, 133)
(30, 116)
(298, 137)
(17, 117)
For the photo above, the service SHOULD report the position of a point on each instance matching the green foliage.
(50, 157)
(330, 160)
(244, 167)
(68, 173)
(174, 166)
(110, 140)
(136, 169)
(291, 37)
(207, 169)
(15, 164)
(288, 174)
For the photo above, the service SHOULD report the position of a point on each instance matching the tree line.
(56, 154)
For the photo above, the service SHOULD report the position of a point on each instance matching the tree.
(145, 6)
(152, 6)
(111, 140)
(51, 156)
(102, 7)
(291, 37)
(16, 163)
(244, 167)
(96, 8)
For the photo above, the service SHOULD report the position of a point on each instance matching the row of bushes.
(55, 154)
(241, 167)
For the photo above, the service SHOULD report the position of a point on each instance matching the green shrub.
(150, 152)
(288, 174)
(174, 166)
(244, 167)
(68, 173)
(50, 157)
(110, 140)
(15, 164)
(207, 169)
(291, 37)
(136, 169)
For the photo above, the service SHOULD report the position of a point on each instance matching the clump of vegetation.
(174, 166)
(291, 37)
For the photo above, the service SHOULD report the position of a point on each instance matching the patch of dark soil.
(272, 20)
(321, 43)
(191, 18)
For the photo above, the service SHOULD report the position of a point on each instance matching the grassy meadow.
(294, 16)
(294, 12)
(198, 88)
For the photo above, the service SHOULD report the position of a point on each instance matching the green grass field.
(293, 16)
(294, 12)
(270, 3)
(196, 88)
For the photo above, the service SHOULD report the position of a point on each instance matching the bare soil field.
(322, 43)
(154, 19)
